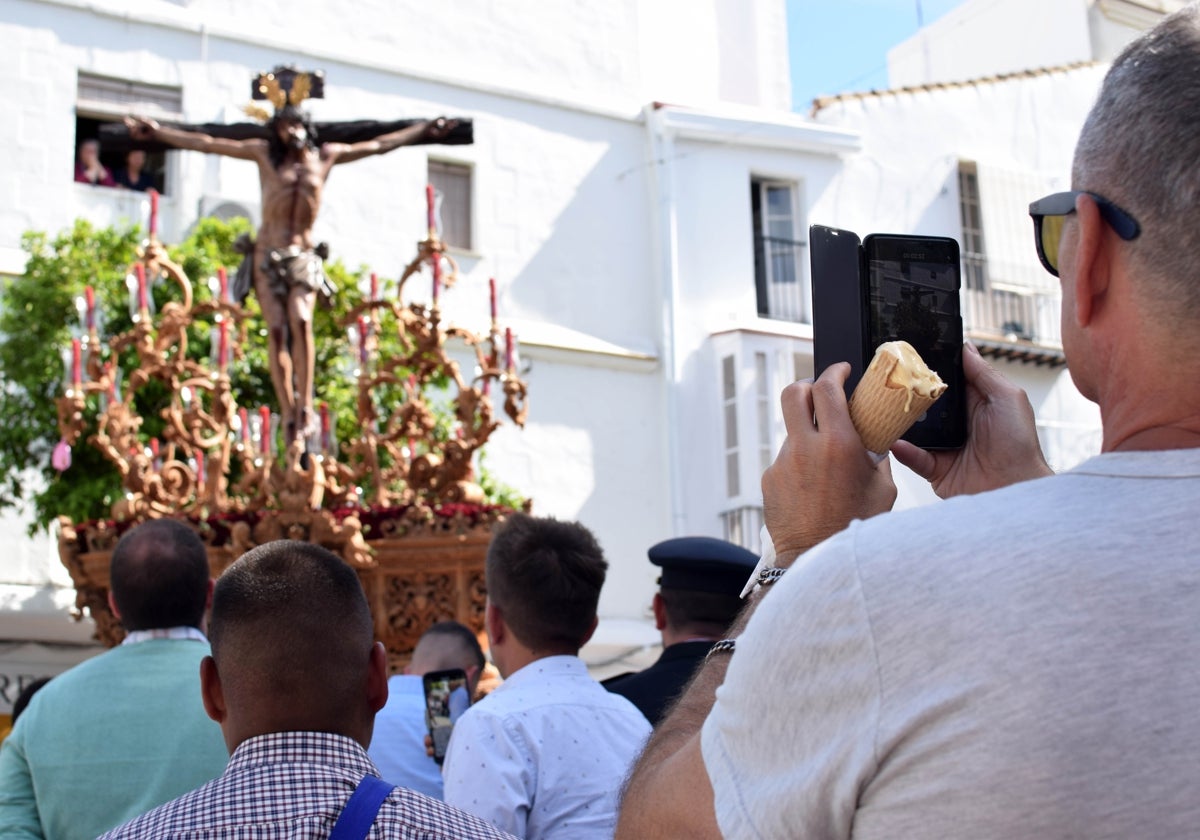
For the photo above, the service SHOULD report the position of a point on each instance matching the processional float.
(399, 502)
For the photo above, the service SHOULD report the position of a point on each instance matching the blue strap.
(358, 816)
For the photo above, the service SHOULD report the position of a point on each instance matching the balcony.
(780, 279)
(1015, 322)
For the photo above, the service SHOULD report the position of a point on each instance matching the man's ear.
(1093, 259)
(473, 678)
(377, 678)
(211, 690)
(660, 612)
(112, 605)
(591, 630)
(493, 618)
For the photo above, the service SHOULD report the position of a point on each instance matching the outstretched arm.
(822, 479)
(144, 129)
(427, 131)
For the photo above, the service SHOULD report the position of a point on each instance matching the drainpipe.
(665, 226)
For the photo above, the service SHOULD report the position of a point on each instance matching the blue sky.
(841, 45)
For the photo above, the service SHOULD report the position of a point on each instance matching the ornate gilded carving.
(398, 503)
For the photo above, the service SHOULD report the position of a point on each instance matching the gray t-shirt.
(1018, 664)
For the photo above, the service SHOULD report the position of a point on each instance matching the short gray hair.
(1139, 148)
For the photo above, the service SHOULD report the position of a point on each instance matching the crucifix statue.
(294, 156)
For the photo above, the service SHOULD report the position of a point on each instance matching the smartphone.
(447, 696)
(911, 292)
(839, 310)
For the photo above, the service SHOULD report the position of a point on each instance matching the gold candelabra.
(218, 460)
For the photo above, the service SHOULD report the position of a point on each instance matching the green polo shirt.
(108, 740)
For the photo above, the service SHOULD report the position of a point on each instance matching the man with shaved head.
(125, 731)
(295, 679)
(398, 748)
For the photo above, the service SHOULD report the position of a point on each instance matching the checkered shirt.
(293, 785)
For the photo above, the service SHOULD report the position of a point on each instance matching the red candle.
(374, 286)
(143, 299)
(154, 447)
(223, 345)
(508, 349)
(325, 425)
(244, 416)
(200, 472)
(362, 341)
(487, 387)
(264, 414)
(153, 212)
(76, 363)
(222, 283)
(429, 209)
(89, 295)
(437, 276)
(492, 294)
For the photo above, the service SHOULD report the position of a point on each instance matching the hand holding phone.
(447, 696)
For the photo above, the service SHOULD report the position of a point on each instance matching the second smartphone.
(911, 293)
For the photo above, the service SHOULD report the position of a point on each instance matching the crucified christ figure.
(287, 271)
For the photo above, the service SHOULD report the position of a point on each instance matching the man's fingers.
(980, 374)
(797, 404)
(916, 459)
(829, 399)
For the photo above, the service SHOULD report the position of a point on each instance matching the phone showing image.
(911, 291)
(447, 696)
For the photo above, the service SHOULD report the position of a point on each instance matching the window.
(762, 393)
(780, 279)
(1007, 296)
(974, 259)
(733, 485)
(101, 100)
(452, 185)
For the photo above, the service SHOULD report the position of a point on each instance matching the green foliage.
(39, 316)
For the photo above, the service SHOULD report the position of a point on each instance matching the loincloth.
(285, 269)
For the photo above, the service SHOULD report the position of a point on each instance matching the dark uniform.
(689, 564)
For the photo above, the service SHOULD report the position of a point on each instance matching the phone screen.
(913, 295)
(447, 696)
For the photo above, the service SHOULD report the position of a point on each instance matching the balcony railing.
(1014, 315)
(780, 280)
(741, 526)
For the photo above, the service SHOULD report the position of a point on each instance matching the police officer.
(698, 599)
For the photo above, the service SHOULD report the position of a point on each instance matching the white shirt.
(398, 745)
(546, 753)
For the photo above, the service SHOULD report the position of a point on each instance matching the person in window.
(89, 169)
(133, 176)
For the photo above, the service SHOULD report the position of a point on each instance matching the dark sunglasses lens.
(1051, 233)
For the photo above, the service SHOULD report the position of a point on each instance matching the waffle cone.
(891, 396)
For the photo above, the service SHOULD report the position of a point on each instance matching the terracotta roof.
(823, 101)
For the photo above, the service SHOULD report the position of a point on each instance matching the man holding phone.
(1008, 663)
(398, 746)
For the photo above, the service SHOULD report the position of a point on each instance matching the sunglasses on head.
(1050, 214)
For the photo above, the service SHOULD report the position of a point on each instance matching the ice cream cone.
(894, 392)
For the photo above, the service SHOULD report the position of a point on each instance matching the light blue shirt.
(545, 755)
(398, 746)
(107, 740)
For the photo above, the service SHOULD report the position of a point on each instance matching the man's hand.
(141, 128)
(435, 130)
(823, 477)
(1002, 445)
